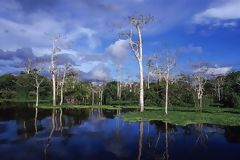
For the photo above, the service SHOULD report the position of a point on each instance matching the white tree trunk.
(140, 70)
(166, 101)
(53, 70)
(54, 89)
(37, 95)
(61, 101)
(166, 95)
(141, 87)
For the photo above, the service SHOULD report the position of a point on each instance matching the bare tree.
(136, 46)
(38, 81)
(170, 64)
(118, 69)
(199, 80)
(54, 50)
(67, 71)
(149, 66)
(28, 66)
(164, 72)
(218, 83)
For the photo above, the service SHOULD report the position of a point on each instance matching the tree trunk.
(141, 87)
(53, 70)
(219, 93)
(101, 97)
(92, 98)
(54, 89)
(61, 101)
(140, 70)
(37, 95)
(166, 100)
(201, 102)
(148, 81)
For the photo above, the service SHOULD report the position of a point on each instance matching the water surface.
(100, 134)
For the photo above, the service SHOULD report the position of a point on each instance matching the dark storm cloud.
(22, 54)
(14, 60)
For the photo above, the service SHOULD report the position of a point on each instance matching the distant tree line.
(183, 91)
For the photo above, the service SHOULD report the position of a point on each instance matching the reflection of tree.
(149, 138)
(96, 114)
(140, 140)
(35, 120)
(165, 154)
(202, 135)
(51, 133)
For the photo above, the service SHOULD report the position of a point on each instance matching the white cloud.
(119, 49)
(219, 70)
(37, 34)
(227, 11)
(100, 72)
(214, 70)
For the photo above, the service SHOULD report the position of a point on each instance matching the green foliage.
(185, 118)
(7, 86)
(181, 92)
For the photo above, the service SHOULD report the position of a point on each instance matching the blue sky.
(202, 30)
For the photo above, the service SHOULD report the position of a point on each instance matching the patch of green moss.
(185, 118)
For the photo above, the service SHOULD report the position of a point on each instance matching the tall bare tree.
(199, 80)
(163, 71)
(137, 48)
(62, 82)
(54, 50)
(38, 81)
(170, 64)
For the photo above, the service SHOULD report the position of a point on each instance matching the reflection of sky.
(103, 138)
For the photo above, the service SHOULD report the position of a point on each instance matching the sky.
(203, 31)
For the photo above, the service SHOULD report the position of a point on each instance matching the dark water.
(94, 134)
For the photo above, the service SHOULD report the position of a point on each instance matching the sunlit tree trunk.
(37, 95)
(137, 47)
(53, 75)
(167, 85)
(62, 85)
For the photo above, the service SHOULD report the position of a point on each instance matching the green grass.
(185, 118)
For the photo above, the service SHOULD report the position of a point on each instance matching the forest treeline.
(223, 91)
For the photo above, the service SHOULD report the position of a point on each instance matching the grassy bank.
(185, 118)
